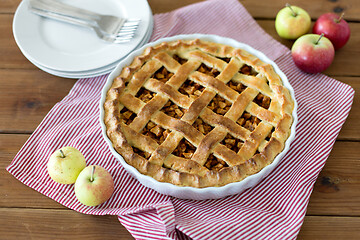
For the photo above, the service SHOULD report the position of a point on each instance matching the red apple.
(335, 28)
(94, 186)
(313, 53)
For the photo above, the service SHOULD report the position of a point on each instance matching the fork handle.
(60, 17)
(63, 9)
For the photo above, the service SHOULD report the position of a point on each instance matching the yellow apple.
(292, 22)
(65, 165)
(94, 186)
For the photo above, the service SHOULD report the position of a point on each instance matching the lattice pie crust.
(196, 113)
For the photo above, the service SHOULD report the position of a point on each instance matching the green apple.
(94, 186)
(65, 165)
(292, 22)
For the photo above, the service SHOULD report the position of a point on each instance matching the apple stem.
(339, 19)
(319, 38)
(289, 6)
(92, 174)
(62, 153)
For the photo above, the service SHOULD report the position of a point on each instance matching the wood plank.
(336, 191)
(25, 213)
(9, 6)
(157, 6)
(44, 223)
(351, 128)
(258, 9)
(10, 54)
(38, 223)
(330, 228)
(13, 193)
(27, 96)
(269, 9)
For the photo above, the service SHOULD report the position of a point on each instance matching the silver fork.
(100, 34)
(109, 28)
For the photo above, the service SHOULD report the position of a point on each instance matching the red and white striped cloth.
(274, 209)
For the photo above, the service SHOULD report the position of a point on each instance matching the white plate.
(93, 72)
(76, 75)
(64, 47)
(191, 192)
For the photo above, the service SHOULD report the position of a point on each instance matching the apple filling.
(226, 59)
(156, 132)
(219, 105)
(191, 89)
(248, 70)
(214, 163)
(239, 87)
(127, 116)
(184, 149)
(202, 126)
(262, 101)
(141, 153)
(162, 74)
(232, 143)
(145, 95)
(248, 121)
(269, 135)
(208, 70)
(179, 59)
(173, 110)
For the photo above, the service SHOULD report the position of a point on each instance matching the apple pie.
(198, 113)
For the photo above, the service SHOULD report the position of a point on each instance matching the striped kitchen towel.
(273, 209)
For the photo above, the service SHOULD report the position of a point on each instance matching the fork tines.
(128, 29)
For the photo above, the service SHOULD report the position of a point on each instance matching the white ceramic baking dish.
(191, 192)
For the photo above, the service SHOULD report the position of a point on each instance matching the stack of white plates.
(71, 51)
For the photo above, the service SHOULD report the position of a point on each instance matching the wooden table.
(27, 94)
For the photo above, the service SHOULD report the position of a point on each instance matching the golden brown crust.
(258, 145)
